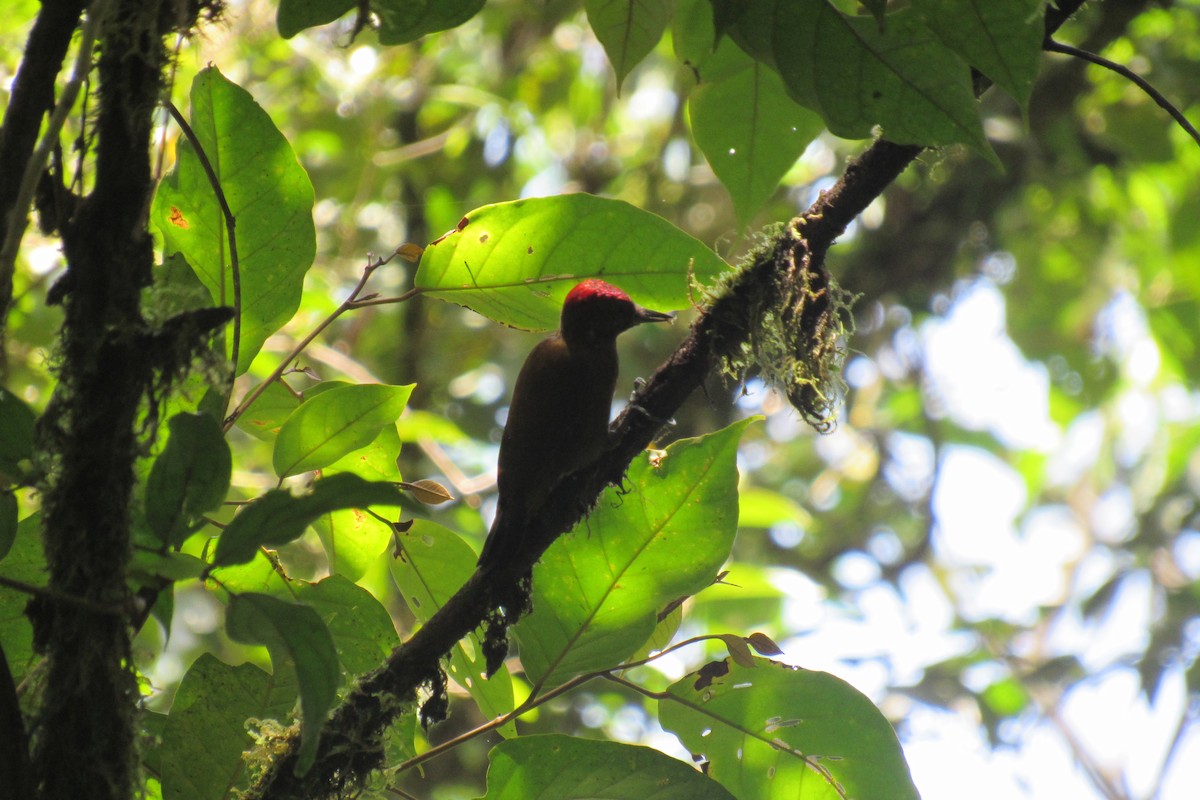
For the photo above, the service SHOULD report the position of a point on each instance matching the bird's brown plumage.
(558, 418)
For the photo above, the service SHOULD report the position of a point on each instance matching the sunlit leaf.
(335, 423)
(271, 199)
(750, 131)
(598, 590)
(269, 411)
(575, 769)
(773, 731)
(515, 262)
(628, 29)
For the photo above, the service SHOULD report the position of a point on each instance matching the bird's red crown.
(594, 288)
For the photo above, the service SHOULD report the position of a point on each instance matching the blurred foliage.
(1081, 248)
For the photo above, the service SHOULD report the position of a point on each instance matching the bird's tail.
(503, 540)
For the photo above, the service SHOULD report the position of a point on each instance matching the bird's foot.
(635, 405)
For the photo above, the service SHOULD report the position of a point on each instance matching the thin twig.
(531, 702)
(230, 230)
(18, 218)
(350, 303)
(1125, 72)
(534, 700)
(58, 597)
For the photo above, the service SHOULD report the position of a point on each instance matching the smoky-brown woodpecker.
(558, 417)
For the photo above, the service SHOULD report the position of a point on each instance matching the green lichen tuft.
(795, 319)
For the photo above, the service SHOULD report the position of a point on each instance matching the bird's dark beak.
(646, 315)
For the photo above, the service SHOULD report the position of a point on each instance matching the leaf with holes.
(515, 262)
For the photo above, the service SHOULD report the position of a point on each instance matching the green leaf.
(25, 562)
(172, 566)
(361, 628)
(190, 476)
(1002, 40)
(296, 15)
(269, 411)
(8, 521)
(748, 128)
(856, 75)
(403, 21)
(774, 731)
(598, 590)
(515, 262)
(297, 639)
(725, 14)
(417, 425)
(16, 435)
(628, 29)
(334, 423)
(877, 8)
(569, 768)
(270, 196)
(434, 563)
(205, 733)
(279, 517)
(762, 508)
(352, 538)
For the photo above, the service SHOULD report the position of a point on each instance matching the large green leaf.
(515, 262)
(857, 73)
(203, 737)
(269, 411)
(1003, 40)
(297, 639)
(628, 29)
(296, 15)
(773, 731)
(597, 591)
(568, 768)
(403, 21)
(432, 566)
(362, 630)
(279, 517)
(748, 128)
(189, 477)
(335, 423)
(271, 199)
